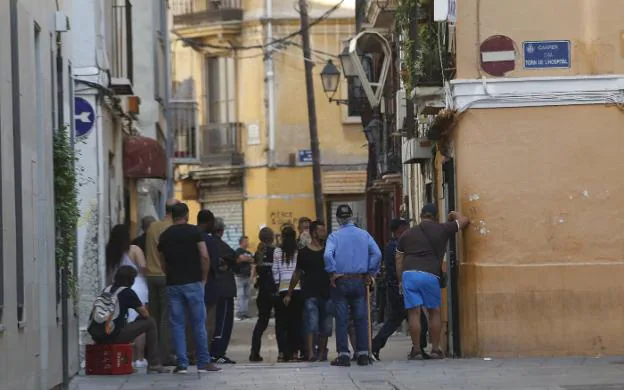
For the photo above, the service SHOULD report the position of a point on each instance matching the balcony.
(434, 63)
(193, 13)
(222, 145)
(185, 132)
(381, 14)
(121, 51)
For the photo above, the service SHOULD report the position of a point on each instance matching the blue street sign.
(305, 156)
(546, 54)
(84, 116)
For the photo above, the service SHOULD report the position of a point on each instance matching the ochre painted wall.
(542, 261)
(275, 197)
(594, 28)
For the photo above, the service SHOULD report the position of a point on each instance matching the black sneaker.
(363, 360)
(223, 360)
(255, 358)
(341, 361)
(180, 370)
(376, 355)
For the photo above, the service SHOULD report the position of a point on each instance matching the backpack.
(104, 313)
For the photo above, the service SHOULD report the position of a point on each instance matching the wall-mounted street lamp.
(346, 62)
(330, 78)
(330, 75)
(351, 60)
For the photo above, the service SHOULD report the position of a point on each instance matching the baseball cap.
(344, 211)
(429, 208)
(397, 223)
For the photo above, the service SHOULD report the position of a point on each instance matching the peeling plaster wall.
(543, 258)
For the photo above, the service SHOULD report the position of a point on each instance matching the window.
(356, 96)
(219, 76)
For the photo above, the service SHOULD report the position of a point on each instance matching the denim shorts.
(318, 316)
(421, 289)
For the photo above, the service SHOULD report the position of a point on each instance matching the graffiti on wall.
(279, 218)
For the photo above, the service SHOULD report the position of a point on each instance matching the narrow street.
(393, 373)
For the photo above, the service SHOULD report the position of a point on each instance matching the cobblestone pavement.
(392, 373)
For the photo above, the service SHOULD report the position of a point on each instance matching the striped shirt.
(282, 272)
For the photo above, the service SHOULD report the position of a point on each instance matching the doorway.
(454, 347)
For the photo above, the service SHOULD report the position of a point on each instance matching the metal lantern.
(330, 76)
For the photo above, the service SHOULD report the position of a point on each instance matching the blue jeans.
(318, 316)
(350, 293)
(191, 296)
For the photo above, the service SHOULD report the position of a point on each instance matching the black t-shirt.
(315, 280)
(178, 244)
(224, 278)
(243, 269)
(127, 300)
(264, 263)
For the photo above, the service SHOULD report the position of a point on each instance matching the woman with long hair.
(120, 253)
(288, 316)
(263, 276)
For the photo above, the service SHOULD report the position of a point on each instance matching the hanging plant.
(65, 207)
(430, 63)
(441, 130)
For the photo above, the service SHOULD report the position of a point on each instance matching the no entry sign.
(498, 55)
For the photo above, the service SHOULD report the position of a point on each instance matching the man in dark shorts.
(315, 283)
(186, 262)
(419, 257)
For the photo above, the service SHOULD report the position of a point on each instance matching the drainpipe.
(164, 28)
(270, 82)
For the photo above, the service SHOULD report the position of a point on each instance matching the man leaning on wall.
(156, 283)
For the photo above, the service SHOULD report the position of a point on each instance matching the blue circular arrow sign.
(84, 116)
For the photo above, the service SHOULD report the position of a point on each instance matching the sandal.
(415, 354)
(437, 354)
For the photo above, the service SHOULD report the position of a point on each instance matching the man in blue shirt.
(352, 259)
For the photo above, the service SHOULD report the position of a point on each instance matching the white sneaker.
(140, 363)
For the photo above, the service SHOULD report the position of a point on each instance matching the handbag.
(435, 253)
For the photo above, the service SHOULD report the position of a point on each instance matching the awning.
(344, 182)
(143, 158)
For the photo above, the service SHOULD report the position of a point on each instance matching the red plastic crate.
(108, 359)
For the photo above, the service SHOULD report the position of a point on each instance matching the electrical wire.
(320, 19)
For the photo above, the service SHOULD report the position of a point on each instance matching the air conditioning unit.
(401, 108)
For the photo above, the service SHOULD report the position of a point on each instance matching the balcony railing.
(185, 131)
(193, 12)
(222, 144)
(121, 29)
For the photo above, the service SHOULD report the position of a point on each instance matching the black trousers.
(265, 303)
(223, 328)
(396, 315)
(288, 324)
